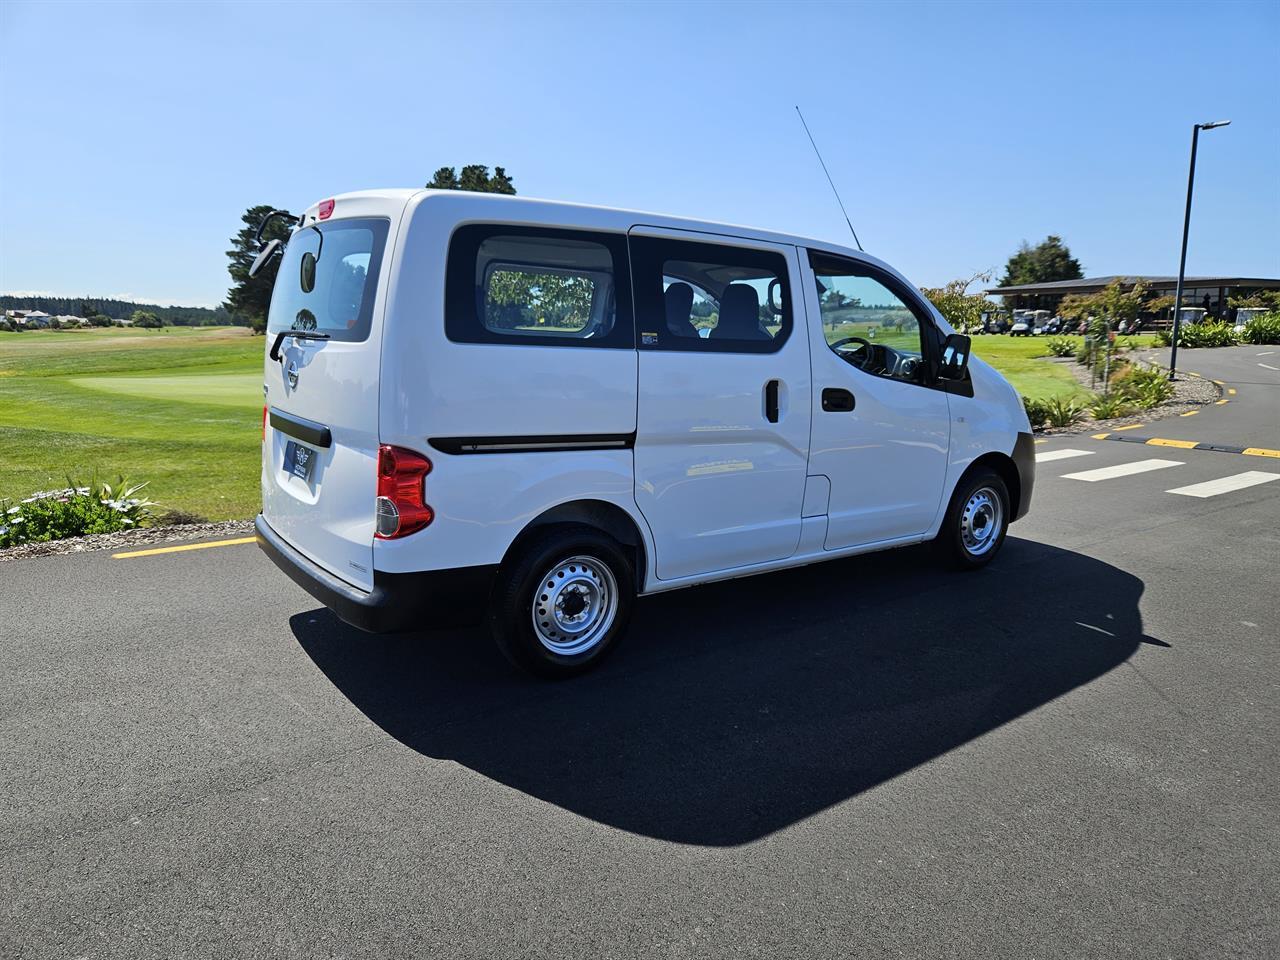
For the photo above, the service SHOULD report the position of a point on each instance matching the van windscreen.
(327, 279)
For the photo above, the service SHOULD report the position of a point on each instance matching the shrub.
(1144, 386)
(1164, 338)
(1263, 329)
(1106, 408)
(1061, 346)
(74, 511)
(1037, 411)
(1062, 412)
(1212, 334)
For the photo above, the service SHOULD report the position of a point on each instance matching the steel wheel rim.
(981, 521)
(575, 604)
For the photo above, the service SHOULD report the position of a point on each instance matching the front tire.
(562, 603)
(976, 522)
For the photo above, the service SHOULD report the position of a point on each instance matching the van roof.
(588, 215)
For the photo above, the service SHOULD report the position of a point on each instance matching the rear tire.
(976, 522)
(562, 603)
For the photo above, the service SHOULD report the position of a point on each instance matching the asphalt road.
(1251, 377)
(1070, 754)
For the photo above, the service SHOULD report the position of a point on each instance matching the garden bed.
(128, 539)
(1189, 393)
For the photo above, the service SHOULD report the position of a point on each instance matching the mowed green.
(180, 408)
(1023, 360)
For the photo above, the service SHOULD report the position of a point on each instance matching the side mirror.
(955, 357)
(269, 250)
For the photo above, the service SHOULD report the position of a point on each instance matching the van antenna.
(830, 181)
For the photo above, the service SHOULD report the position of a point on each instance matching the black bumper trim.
(1024, 458)
(398, 602)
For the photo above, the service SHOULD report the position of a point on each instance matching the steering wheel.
(836, 345)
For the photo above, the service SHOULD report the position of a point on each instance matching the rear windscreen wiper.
(297, 335)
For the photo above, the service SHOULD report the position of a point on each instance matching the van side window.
(509, 284)
(709, 297)
(869, 323)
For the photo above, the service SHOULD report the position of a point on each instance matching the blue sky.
(132, 137)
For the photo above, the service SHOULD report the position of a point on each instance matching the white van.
(482, 407)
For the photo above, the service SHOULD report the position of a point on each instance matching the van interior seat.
(739, 314)
(679, 300)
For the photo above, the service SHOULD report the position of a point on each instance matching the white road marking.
(1050, 455)
(1123, 470)
(1264, 353)
(1213, 488)
(1268, 366)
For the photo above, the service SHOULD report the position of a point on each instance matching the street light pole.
(1186, 226)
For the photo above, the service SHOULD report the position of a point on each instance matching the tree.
(1266, 299)
(1050, 260)
(1111, 306)
(250, 297)
(475, 177)
(960, 308)
(146, 320)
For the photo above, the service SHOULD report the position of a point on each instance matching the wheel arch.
(1003, 466)
(602, 515)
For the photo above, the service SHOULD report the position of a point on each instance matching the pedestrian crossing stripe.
(1214, 488)
(1050, 455)
(1121, 470)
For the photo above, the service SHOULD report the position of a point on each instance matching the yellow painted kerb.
(183, 548)
(1132, 426)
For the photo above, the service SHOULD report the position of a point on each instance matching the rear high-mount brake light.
(326, 209)
(402, 507)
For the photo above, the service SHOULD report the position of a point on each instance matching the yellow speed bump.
(183, 548)
(1260, 452)
(1132, 426)
(1183, 444)
(1189, 413)
(1231, 390)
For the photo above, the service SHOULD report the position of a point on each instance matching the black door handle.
(771, 401)
(837, 400)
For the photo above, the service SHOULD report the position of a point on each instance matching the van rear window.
(328, 278)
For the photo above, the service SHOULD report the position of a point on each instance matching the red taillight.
(402, 509)
(264, 423)
(326, 209)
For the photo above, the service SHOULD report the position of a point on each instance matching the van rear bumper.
(398, 601)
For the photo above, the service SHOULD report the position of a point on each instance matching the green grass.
(1021, 360)
(180, 408)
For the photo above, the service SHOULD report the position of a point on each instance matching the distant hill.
(121, 309)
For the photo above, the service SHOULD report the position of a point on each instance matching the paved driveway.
(1070, 754)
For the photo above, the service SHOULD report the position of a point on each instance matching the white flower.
(127, 523)
(13, 510)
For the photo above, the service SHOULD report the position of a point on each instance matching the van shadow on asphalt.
(736, 709)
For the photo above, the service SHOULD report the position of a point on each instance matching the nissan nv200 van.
(481, 407)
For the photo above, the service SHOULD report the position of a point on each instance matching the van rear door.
(320, 445)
